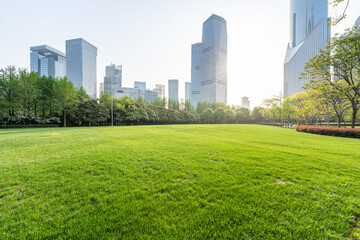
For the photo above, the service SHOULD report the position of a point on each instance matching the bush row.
(30, 126)
(330, 131)
(24, 120)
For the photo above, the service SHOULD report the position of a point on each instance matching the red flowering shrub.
(330, 131)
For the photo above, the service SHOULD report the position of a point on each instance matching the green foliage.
(177, 182)
(173, 104)
(219, 115)
(242, 115)
(207, 116)
(10, 93)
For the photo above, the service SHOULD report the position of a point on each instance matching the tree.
(207, 116)
(10, 90)
(188, 106)
(161, 102)
(219, 115)
(256, 115)
(65, 96)
(242, 115)
(336, 3)
(174, 104)
(338, 64)
(229, 116)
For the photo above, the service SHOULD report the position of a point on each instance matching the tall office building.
(173, 86)
(47, 61)
(160, 89)
(309, 32)
(187, 91)
(112, 79)
(209, 63)
(81, 65)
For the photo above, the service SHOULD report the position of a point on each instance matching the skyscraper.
(209, 63)
(309, 32)
(187, 91)
(112, 79)
(160, 89)
(81, 65)
(47, 61)
(173, 89)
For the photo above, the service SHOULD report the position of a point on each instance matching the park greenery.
(27, 99)
(177, 182)
(332, 93)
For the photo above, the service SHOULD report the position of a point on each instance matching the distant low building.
(47, 61)
(245, 102)
(140, 85)
(148, 95)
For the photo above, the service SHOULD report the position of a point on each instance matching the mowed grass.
(177, 182)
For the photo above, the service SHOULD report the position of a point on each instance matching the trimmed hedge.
(30, 126)
(330, 131)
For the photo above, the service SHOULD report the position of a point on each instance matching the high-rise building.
(309, 32)
(47, 61)
(173, 86)
(187, 91)
(160, 89)
(81, 65)
(357, 23)
(209, 63)
(245, 102)
(140, 85)
(101, 87)
(112, 79)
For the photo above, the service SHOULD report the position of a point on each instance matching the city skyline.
(166, 52)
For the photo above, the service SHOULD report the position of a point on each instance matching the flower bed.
(330, 131)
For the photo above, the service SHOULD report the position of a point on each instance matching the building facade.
(209, 63)
(140, 85)
(173, 86)
(309, 32)
(47, 61)
(245, 102)
(81, 65)
(160, 89)
(187, 91)
(112, 79)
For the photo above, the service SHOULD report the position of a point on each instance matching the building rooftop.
(45, 49)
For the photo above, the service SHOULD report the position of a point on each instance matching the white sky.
(152, 38)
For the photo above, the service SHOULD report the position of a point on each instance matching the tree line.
(26, 98)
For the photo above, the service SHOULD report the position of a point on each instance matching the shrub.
(330, 131)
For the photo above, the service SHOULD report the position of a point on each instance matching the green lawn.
(177, 182)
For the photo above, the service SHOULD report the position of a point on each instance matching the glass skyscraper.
(112, 79)
(187, 91)
(81, 65)
(173, 86)
(309, 32)
(209, 63)
(47, 61)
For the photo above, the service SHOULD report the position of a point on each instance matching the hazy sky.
(152, 38)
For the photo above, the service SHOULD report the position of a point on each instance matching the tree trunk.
(354, 114)
(64, 118)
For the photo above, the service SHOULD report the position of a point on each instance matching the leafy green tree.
(242, 115)
(219, 115)
(10, 90)
(201, 106)
(207, 116)
(65, 95)
(161, 102)
(188, 106)
(338, 64)
(256, 115)
(46, 97)
(230, 116)
(173, 104)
